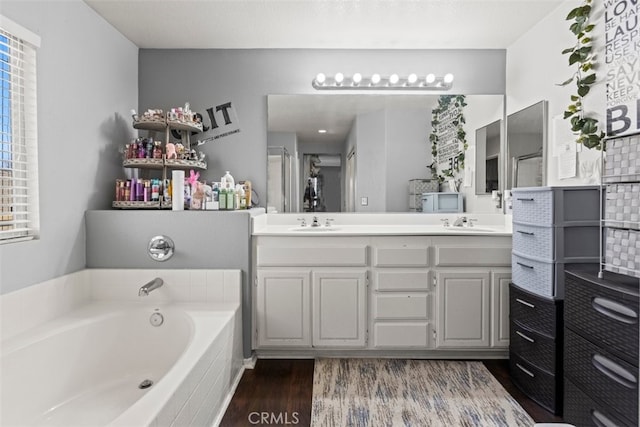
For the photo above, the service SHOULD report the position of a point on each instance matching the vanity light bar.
(377, 82)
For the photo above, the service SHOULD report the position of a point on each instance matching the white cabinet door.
(462, 309)
(283, 309)
(500, 308)
(339, 314)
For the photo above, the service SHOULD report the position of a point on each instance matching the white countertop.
(394, 224)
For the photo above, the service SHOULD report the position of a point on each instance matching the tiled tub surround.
(88, 335)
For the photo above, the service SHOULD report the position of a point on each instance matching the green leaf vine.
(582, 56)
(444, 103)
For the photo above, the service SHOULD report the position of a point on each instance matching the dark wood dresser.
(600, 348)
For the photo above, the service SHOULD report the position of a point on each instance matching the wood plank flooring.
(278, 392)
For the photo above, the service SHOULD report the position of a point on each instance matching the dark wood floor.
(280, 391)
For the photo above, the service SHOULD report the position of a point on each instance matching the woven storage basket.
(623, 159)
(622, 251)
(623, 203)
(419, 186)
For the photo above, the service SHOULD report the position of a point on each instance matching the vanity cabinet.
(471, 292)
(310, 294)
(402, 294)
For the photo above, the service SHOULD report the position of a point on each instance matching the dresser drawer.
(401, 306)
(601, 375)
(604, 315)
(540, 386)
(533, 206)
(538, 277)
(536, 313)
(533, 241)
(581, 410)
(535, 348)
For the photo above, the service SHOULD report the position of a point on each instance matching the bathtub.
(105, 363)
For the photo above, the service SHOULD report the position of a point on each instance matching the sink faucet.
(315, 222)
(460, 221)
(154, 284)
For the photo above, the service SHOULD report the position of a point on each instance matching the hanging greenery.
(441, 115)
(583, 58)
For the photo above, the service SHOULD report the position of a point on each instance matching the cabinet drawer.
(536, 313)
(535, 241)
(540, 386)
(404, 334)
(401, 306)
(604, 315)
(272, 256)
(404, 256)
(535, 348)
(581, 410)
(601, 375)
(402, 280)
(545, 278)
(464, 255)
(533, 206)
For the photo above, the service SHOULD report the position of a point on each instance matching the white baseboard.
(250, 363)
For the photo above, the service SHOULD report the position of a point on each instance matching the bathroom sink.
(469, 230)
(314, 229)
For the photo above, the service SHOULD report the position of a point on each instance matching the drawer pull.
(525, 336)
(614, 310)
(528, 304)
(525, 199)
(614, 371)
(528, 233)
(526, 371)
(524, 265)
(600, 420)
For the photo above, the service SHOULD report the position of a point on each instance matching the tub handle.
(161, 248)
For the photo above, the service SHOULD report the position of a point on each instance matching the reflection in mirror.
(279, 183)
(527, 146)
(358, 152)
(488, 157)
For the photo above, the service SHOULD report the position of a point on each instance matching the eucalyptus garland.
(582, 56)
(457, 163)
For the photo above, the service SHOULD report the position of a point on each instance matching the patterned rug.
(398, 392)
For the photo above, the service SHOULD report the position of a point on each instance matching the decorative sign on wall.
(448, 142)
(223, 122)
(622, 58)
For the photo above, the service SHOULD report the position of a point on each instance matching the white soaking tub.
(90, 367)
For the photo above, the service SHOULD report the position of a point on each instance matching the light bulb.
(430, 78)
(339, 78)
(321, 78)
(412, 78)
(357, 78)
(375, 79)
(394, 79)
(448, 78)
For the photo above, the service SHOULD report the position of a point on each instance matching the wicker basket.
(419, 186)
(622, 251)
(623, 204)
(623, 160)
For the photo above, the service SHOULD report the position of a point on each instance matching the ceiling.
(328, 24)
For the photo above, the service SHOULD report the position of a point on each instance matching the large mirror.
(356, 153)
(527, 146)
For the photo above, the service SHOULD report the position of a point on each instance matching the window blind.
(19, 218)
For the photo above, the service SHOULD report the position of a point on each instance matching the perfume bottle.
(157, 150)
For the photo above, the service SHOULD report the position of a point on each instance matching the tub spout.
(154, 284)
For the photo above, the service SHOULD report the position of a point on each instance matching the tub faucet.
(154, 284)
(461, 221)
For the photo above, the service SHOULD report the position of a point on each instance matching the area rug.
(399, 392)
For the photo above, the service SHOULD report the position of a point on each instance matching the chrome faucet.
(154, 284)
(315, 222)
(461, 221)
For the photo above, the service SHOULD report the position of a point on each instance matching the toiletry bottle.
(246, 186)
(215, 189)
(223, 196)
(228, 179)
(230, 197)
(155, 190)
(241, 197)
(157, 150)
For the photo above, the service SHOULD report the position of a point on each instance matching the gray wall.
(87, 83)
(207, 78)
(408, 153)
(371, 168)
